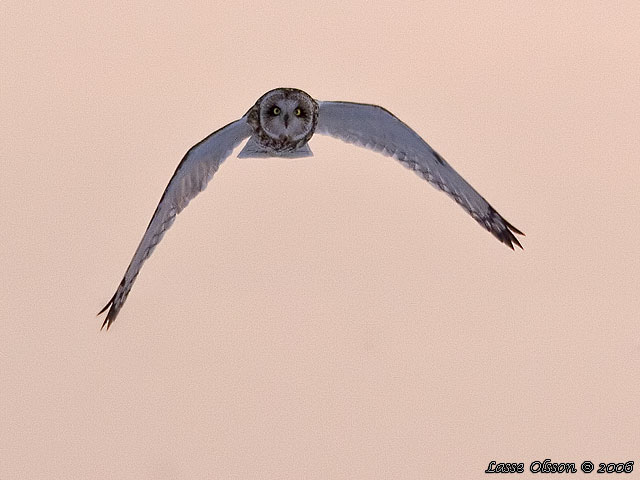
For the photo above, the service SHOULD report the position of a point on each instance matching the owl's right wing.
(190, 178)
(376, 128)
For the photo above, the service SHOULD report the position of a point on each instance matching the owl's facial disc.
(287, 118)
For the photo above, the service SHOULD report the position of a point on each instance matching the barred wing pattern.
(377, 129)
(190, 178)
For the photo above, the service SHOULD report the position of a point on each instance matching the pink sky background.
(328, 317)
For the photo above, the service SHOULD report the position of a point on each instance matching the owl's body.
(280, 124)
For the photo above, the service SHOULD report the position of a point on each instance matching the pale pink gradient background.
(331, 317)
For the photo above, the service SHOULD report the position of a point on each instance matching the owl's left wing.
(375, 128)
(190, 178)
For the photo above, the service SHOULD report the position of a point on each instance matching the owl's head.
(284, 118)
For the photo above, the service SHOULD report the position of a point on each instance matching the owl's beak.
(286, 120)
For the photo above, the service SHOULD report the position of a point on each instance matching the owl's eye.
(276, 111)
(298, 112)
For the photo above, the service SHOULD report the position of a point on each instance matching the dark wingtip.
(111, 314)
(106, 306)
(512, 228)
(507, 235)
(503, 230)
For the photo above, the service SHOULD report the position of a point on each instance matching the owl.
(280, 124)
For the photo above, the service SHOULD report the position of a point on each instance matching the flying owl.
(280, 124)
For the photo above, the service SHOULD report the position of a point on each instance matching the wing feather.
(377, 129)
(190, 178)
